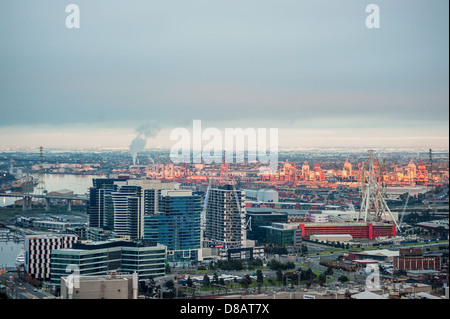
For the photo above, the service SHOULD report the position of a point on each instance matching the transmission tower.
(41, 182)
(373, 204)
(431, 181)
(224, 169)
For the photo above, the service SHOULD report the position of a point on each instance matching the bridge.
(27, 199)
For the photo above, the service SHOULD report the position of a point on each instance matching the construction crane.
(400, 222)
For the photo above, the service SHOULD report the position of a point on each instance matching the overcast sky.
(312, 69)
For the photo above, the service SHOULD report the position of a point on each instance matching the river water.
(9, 249)
(79, 184)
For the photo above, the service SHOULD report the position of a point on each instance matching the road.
(17, 288)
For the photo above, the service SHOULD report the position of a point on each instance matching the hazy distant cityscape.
(225, 230)
(227, 151)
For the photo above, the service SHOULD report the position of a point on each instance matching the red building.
(413, 259)
(358, 230)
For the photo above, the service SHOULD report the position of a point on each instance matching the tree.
(168, 270)
(284, 280)
(215, 278)
(35, 282)
(343, 279)
(206, 281)
(212, 266)
(170, 284)
(276, 265)
(304, 249)
(307, 274)
(280, 250)
(279, 275)
(259, 276)
(297, 277)
(440, 231)
(273, 264)
(254, 263)
(246, 281)
(235, 264)
(150, 285)
(289, 265)
(322, 278)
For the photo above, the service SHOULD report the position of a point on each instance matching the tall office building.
(119, 205)
(176, 225)
(225, 218)
(131, 201)
(126, 206)
(98, 217)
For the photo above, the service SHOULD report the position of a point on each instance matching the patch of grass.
(6, 214)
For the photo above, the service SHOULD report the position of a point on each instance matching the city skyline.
(311, 69)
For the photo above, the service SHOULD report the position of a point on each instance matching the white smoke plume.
(144, 132)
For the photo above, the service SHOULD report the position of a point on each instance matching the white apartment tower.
(225, 218)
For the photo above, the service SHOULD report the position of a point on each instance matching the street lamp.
(299, 273)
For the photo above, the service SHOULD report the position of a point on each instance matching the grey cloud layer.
(174, 61)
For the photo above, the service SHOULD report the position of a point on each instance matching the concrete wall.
(120, 288)
(287, 295)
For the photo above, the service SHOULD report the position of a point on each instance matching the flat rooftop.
(332, 235)
(118, 277)
(380, 252)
